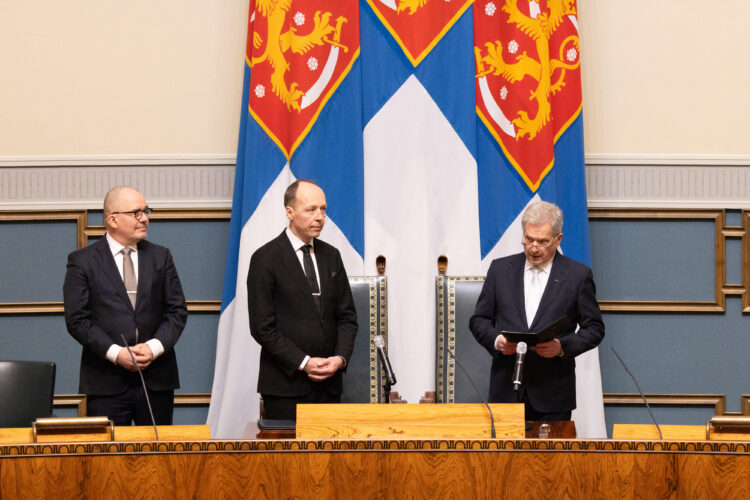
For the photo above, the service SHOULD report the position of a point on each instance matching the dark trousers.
(536, 415)
(533, 414)
(130, 406)
(285, 408)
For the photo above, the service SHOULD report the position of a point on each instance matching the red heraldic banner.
(298, 53)
(528, 78)
(418, 25)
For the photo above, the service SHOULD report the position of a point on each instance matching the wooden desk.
(558, 430)
(362, 469)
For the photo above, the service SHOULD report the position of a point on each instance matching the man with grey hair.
(525, 293)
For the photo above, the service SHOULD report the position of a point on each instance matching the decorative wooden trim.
(745, 261)
(192, 399)
(718, 401)
(31, 308)
(77, 401)
(21, 451)
(38, 308)
(84, 232)
(79, 216)
(719, 302)
(203, 306)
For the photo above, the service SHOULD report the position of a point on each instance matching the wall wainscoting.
(206, 181)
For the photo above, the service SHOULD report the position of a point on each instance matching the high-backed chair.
(456, 298)
(363, 380)
(26, 392)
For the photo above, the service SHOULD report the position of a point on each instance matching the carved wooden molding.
(363, 445)
(718, 304)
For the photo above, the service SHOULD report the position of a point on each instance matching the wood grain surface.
(446, 421)
(356, 474)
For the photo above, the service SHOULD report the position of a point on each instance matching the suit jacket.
(549, 383)
(287, 323)
(98, 311)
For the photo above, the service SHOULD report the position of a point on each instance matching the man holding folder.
(527, 292)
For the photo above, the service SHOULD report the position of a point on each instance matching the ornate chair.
(456, 298)
(363, 381)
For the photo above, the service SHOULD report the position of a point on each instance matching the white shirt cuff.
(157, 349)
(304, 362)
(112, 353)
(496, 339)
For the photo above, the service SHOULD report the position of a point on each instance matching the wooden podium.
(409, 421)
(121, 434)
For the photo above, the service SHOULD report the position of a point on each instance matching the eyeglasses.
(528, 242)
(138, 213)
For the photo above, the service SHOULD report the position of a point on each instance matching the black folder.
(276, 424)
(546, 334)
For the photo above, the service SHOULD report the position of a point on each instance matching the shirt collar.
(544, 269)
(296, 242)
(115, 247)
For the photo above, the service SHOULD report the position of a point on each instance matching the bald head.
(119, 205)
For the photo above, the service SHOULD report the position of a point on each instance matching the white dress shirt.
(297, 244)
(528, 272)
(157, 348)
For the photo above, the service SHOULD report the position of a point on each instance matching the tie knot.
(306, 248)
(126, 250)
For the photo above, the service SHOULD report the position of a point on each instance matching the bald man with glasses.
(527, 292)
(124, 286)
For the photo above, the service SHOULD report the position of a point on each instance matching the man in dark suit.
(301, 309)
(527, 292)
(124, 285)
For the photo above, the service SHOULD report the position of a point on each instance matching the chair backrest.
(26, 392)
(456, 299)
(363, 380)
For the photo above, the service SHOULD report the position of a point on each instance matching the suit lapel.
(145, 265)
(107, 264)
(517, 273)
(323, 271)
(556, 279)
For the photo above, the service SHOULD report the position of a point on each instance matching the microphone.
(484, 400)
(143, 384)
(518, 372)
(379, 344)
(639, 391)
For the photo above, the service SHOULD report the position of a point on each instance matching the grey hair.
(542, 212)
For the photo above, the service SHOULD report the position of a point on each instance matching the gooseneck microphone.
(143, 383)
(643, 397)
(379, 344)
(484, 400)
(518, 371)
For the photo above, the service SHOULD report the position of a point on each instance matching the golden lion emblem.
(279, 43)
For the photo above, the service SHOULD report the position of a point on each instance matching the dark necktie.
(312, 280)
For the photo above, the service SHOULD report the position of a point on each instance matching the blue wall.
(650, 258)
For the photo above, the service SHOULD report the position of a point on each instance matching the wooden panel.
(670, 432)
(380, 473)
(447, 421)
(122, 434)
